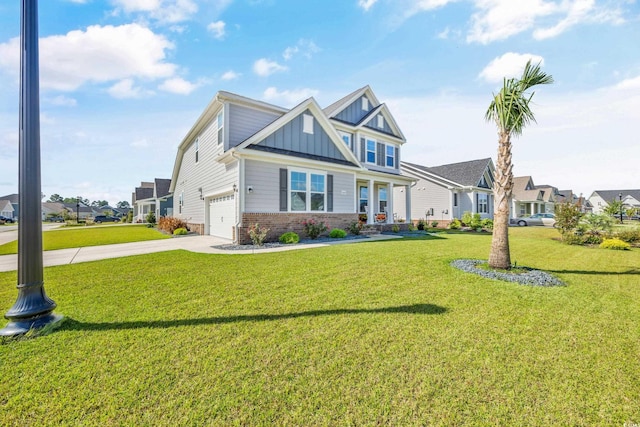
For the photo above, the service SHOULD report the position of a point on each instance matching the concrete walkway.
(193, 243)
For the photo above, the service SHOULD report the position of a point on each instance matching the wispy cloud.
(306, 48)
(179, 86)
(125, 89)
(61, 101)
(288, 98)
(217, 28)
(230, 75)
(163, 11)
(265, 67)
(366, 4)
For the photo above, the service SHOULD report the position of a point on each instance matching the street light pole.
(33, 309)
(78, 210)
(620, 196)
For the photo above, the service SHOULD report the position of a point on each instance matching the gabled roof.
(525, 190)
(384, 110)
(13, 198)
(5, 203)
(462, 174)
(162, 187)
(143, 193)
(549, 192)
(609, 195)
(345, 101)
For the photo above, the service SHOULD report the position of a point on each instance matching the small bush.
(487, 223)
(338, 233)
(395, 228)
(289, 238)
(455, 224)
(434, 224)
(180, 232)
(314, 229)
(421, 224)
(412, 227)
(258, 234)
(629, 236)
(466, 219)
(573, 238)
(355, 228)
(169, 224)
(615, 243)
(150, 218)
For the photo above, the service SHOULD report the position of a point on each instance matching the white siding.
(425, 195)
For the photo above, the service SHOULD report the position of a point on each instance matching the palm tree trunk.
(499, 257)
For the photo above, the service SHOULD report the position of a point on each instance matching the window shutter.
(329, 193)
(283, 190)
(477, 200)
(363, 149)
(396, 161)
(380, 155)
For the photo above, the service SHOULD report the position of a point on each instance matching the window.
(371, 151)
(180, 202)
(382, 199)
(455, 199)
(391, 156)
(483, 182)
(308, 191)
(380, 121)
(196, 148)
(364, 199)
(307, 123)
(346, 137)
(483, 203)
(365, 104)
(220, 127)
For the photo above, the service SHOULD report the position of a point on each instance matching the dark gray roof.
(143, 193)
(609, 195)
(162, 187)
(463, 173)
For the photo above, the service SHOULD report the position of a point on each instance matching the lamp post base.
(22, 326)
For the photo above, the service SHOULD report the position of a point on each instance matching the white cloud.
(61, 101)
(99, 54)
(230, 75)
(304, 47)
(366, 4)
(264, 67)
(217, 28)
(288, 98)
(178, 85)
(632, 83)
(508, 65)
(164, 11)
(124, 89)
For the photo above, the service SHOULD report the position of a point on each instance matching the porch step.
(369, 232)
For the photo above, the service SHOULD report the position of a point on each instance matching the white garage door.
(222, 216)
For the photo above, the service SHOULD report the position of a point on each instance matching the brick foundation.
(196, 228)
(280, 223)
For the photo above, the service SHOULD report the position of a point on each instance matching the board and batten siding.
(373, 124)
(264, 178)
(354, 112)
(244, 122)
(207, 174)
(291, 137)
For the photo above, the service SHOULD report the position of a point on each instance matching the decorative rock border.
(531, 277)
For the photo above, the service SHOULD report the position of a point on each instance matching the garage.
(222, 216)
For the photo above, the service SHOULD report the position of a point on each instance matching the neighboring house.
(245, 161)
(600, 199)
(14, 200)
(550, 197)
(152, 197)
(442, 193)
(527, 199)
(6, 209)
(80, 209)
(52, 209)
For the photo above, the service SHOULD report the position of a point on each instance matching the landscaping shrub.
(180, 232)
(434, 224)
(421, 224)
(338, 233)
(629, 236)
(313, 229)
(169, 224)
(355, 228)
(150, 218)
(258, 234)
(395, 228)
(412, 227)
(568, 217)
(455, 224)
(487, 223)
(466, 219)
(615, 243)
(289, 238)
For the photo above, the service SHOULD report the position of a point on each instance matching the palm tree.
(511, 112)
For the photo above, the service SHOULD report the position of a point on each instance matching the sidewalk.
(193, 243)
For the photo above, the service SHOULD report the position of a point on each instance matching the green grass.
(382, 333)
(90, 236)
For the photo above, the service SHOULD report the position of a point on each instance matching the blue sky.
(123, 80)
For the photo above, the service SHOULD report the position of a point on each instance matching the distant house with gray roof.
(442, 193)
(152, 197)
(600, 199)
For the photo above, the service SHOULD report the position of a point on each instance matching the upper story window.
(307, 123)
(371, 151)
(308, 191)
(380, 121)
(483, 182)
(196, 145)
(365, 104)
(220, 127)
(346, 137)
(391, 156)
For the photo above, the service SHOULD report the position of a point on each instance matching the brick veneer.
(196, 228)
(280, 223)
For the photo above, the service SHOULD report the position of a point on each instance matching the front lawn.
(64, 238)
(380, 333)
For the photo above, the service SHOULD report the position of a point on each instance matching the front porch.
(375, 202)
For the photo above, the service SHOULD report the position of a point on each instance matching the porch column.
(371, 211)
(390, 219)
(407, 198)
(474, 208)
